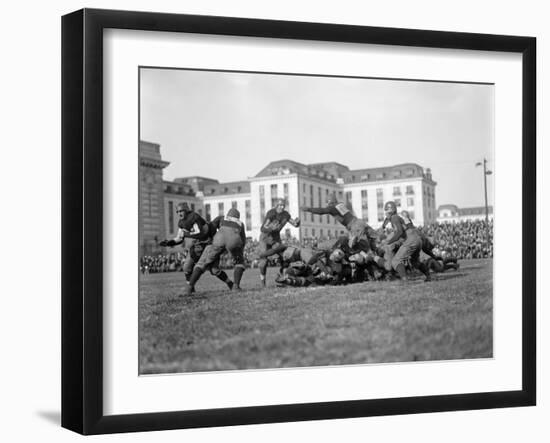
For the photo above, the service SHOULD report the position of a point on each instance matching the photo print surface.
(292, 221)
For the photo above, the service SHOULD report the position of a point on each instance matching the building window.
(305, 233)
(397, 202)
(311, 203)
(199, 211)
(380, 204)
(320, 195)
(274, 195)
(364, 205)
(220, 208)
(321, 233)
(313, 232)
(171, 216)
(285, 193)
(287, 233)
(410, 190)
(396, 190)
(248, 215)
(262, 202)
(304, 188)
(410, 201)
(411, 214)
(207, 212)
(234, 204)
(348, 200)
(380, 198)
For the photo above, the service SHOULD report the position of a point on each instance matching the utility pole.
(485, 186)
(486, 172)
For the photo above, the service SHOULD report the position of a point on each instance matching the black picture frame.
(82, 215)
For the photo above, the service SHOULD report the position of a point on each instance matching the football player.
(411, 246)
(197, 234)
(441, 260)
(359, 231)
(230, 237)
(270, 237)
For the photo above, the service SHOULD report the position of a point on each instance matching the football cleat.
(187, 291)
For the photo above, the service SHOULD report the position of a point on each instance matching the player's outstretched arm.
(177, 240)
(295, 222)
(320, 211)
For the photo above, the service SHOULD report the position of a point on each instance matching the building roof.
(195, 179)
(197, 182)
(477, 210)
(282, 167)
(240, 187)
(330, 171)
(451, 207)
(405, 170)
(333, 168)
(322, 171)
(178, 188)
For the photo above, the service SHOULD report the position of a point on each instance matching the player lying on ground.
(230, 236)
(428, 256)
(332, 269)
(196, 235)
(270, 237)
(437, 263)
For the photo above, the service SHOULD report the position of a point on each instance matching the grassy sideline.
(448, 318)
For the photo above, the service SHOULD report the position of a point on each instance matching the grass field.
(448, 318)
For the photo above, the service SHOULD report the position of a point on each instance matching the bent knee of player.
(215, 271)
(396, 261)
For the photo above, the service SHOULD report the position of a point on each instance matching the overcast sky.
(229, 126)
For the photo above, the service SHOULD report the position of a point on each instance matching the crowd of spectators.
(162, 262)
(464, 240)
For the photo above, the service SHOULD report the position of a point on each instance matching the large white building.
(363, 190)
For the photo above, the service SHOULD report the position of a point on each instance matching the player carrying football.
(270, 237)
(197, 234)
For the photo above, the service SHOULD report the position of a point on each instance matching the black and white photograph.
(302, 220)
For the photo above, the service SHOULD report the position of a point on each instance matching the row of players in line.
(363, 253)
